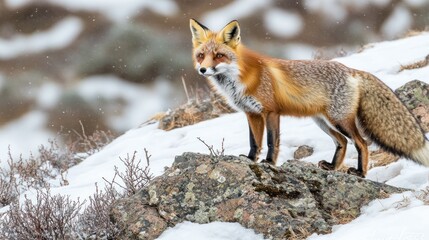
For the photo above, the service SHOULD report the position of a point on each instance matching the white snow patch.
(398, 22)
(283, 23)
(113, 9)
(48, 95)
(385, 59)
(235, 10)
(209, 231)
(299, 51)
(23, 136)
(59, 36)
(141, 102)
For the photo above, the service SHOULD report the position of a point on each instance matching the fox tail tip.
(422, 155)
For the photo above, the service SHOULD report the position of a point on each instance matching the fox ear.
(230, 34)
(199, 32)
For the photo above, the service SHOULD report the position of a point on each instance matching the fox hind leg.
(272, 120)
(348, 128)
(339, 140)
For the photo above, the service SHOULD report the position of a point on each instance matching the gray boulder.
(294, 200)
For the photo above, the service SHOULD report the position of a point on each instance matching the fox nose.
(203, 70)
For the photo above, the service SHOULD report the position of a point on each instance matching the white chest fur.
(230, 86)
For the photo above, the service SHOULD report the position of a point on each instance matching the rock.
(302, 152)
(414, 94)
(294, 200)
(421, 112)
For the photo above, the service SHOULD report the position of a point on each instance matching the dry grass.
(423, 195)
(342, 216)
(86, 145)
(381, 158)
(195, 111)
(415, 65)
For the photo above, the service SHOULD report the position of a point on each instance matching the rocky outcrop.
(293, 200)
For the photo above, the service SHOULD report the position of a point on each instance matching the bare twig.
(213, 152)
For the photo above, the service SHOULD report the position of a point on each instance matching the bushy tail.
(386, 121)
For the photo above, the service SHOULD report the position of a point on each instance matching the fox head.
(215, 52)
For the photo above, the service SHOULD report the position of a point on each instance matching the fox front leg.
(256, 132)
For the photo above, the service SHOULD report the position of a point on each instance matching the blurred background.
(111, 65)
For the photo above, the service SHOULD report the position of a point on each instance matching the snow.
(385, 59)
(283, 23)
(191, 231)
(299, 51)
(113, 9)
(59, 36)
(401, 216)
(381, 219)
(48, 95)
(15, 135)
(397, 23)
(141, 102)
(237, 9)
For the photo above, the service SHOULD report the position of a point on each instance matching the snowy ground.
(402, 216)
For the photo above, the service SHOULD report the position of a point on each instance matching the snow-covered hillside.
(381, 219)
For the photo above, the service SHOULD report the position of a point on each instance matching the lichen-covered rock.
(413, 94)
(303, 151)
(293, 200)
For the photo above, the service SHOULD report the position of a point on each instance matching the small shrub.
(94, 222)
(49, 217)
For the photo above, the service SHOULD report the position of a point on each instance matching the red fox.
(338, 98)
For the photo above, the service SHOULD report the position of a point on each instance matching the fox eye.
(219, 55)
(200, 55)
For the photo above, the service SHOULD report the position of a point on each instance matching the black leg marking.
(253, 146)
(342, 131)
(359, 171)
(326, 165)
(270, 142)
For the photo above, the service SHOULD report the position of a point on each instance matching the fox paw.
(269, 161)
(245, 156)
(326, 165)
(356, 172)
